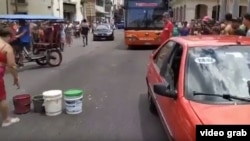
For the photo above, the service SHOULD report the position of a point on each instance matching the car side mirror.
(163, 90)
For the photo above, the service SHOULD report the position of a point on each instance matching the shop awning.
(248, 6)
(100, 9)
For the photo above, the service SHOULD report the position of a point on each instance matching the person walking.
(63, 36)
(69, 33)
(6, 59)
(85, 31)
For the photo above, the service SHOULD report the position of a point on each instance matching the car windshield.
(145, 14)
(217, 70)
(102, 28)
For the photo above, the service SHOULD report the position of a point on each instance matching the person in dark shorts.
(85, 31)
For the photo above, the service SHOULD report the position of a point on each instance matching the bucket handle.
(50, 99)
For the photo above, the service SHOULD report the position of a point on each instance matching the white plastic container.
(73, 101)
(53, 102)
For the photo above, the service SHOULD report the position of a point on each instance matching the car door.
(169, 106)
(156, 62)
(156, 66)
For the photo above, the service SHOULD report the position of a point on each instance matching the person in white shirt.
(69, 32)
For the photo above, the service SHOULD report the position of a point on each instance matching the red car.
(200, 80)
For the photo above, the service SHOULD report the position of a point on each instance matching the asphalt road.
(115, 101)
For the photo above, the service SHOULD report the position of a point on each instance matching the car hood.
(102, 31)
(222, 114)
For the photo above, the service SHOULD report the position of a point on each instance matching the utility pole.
(7, 6)
(217, 10)
(16, 6)
(52, 7)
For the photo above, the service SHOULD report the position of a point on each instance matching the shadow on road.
(32, 67)
(136, 48)
(152, 131)
(103, 41)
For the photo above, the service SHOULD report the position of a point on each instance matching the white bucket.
(53, 102)
(73, 105)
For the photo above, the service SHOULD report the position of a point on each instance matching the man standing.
(246, 22)
(228, 21)
(24, 38)
(168, 27)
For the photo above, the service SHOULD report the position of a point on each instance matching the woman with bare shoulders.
(7, 59)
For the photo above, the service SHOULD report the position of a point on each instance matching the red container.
(22, 103)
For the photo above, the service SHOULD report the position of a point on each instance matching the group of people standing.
(207, 26)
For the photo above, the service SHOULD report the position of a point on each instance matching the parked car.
(199, 80)
(103, 32)
(120, 25)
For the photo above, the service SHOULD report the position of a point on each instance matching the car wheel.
(152, 107)
(112, 38)
(130, 47)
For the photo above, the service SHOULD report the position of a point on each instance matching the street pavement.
(115, 104)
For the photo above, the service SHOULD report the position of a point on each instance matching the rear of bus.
(143, 21)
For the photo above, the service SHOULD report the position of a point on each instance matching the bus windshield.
(145, 18)
(144, 15)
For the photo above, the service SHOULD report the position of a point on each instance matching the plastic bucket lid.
(52, 93)
(73, 93)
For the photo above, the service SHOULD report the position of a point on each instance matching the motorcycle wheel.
(54, 55)
(41, 62)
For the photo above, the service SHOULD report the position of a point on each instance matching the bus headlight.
(131, 38)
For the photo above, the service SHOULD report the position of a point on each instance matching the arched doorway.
(200, 11)
(242, 11)
(216, 12)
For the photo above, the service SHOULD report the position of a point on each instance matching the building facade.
(68, 9)
(26, 7)
(71, 10)
(185, 10)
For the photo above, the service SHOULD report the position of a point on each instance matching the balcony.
(19, 2)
